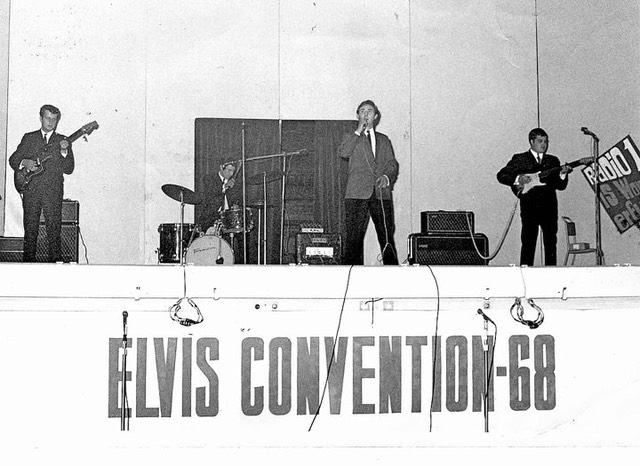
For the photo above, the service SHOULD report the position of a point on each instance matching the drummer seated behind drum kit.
(203, 248)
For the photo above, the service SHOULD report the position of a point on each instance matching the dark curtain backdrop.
(314, 182)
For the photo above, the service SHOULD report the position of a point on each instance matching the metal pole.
(596, 169)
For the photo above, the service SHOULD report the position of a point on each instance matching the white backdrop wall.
(456, 83)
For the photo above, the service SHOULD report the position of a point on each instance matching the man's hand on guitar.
(64, 147)
(523, 179)
(566, 169)
(30, 165)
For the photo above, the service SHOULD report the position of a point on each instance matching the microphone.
(485, 317)
(364, 129)
(586, 131)
(125, 314)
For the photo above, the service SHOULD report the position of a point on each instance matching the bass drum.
(209, 250)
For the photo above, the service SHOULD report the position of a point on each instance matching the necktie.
(44, 138)
(369, 139)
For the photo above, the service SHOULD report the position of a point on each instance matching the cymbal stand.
(244, 200)
(282, 200)
(181, 231)
(264, 220)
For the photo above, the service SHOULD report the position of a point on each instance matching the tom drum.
(233, 221)
(169, 253)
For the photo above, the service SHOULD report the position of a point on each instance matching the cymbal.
(174, 191)
(260, 177)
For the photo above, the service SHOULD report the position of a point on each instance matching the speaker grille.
(447, 250)
(443, 222)
(68, 240)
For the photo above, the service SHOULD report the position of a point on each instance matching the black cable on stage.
(435, 348)
(333, 349)
(504, 234)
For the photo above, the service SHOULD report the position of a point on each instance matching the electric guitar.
(22, 177)
(528, 181)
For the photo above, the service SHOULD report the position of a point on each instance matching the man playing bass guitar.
(44, 192)
(535, 176)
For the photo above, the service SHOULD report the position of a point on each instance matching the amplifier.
(440, 222)
(11, 249)
(429, 249)
(70, 212)
(318, 248)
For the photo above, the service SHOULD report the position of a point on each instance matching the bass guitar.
(22, 177)
(528, 181)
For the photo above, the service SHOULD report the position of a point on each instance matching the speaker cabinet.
(11, 249)
(68, 243)
(428, 249)
(319, 248)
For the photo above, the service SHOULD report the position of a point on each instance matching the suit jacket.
(213, 202)
(55, 167)
(539, 197)
(364, 168)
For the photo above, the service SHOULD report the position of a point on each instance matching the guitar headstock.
(89, 128)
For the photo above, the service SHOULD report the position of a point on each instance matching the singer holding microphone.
(373, 171)
(45, 191)
(538, 205)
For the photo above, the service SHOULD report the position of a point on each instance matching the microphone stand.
(485, 352)
(596, 172)
(124, 410)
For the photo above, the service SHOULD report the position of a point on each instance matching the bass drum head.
(209, 250)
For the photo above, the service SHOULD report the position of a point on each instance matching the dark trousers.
(357, 214)
(548, 222)
(34, 203)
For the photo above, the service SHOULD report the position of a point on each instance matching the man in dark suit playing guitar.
(44, 191)
(535, 176)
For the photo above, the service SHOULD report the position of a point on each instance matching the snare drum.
(232, 220)
(209, 250)
(168, 253)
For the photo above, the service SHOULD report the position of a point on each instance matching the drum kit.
(185, 243)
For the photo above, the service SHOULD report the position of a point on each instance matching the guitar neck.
(75, 135)
(573, 164)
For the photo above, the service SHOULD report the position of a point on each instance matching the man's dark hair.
(535, 132)
(51, 109)
(375, 108)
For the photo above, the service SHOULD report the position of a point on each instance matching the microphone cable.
(384, 216)
(333, 349)
(434, 357)
(177, 307)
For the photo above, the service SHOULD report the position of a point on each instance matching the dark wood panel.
(314, 183)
